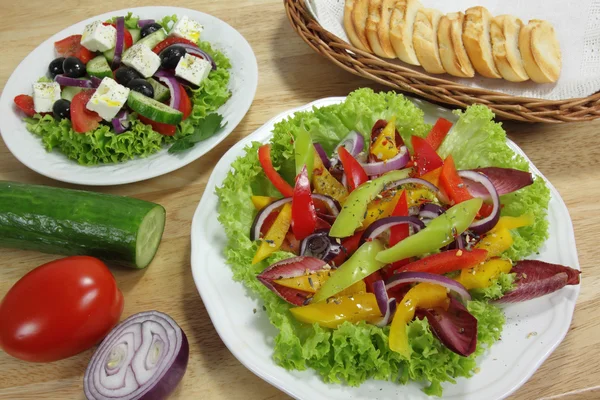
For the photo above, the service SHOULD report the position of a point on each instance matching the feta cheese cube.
(193, 69)
(141, 58)
(108, 99)
(188, 29)
(98, 37)
(44, 96)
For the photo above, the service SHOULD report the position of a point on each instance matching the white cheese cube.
(193, 69)
(44, 96)
(141, 58)
(188, 29)
(98, 37)
(108, 99)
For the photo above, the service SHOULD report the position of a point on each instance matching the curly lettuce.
(102, 145)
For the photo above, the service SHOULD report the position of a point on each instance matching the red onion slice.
(262, 215)
(333, 206)
(383, 224)
(75, 82)
(322, 155)
(415, 181)
(414, 277)
(120, 43)
(387, 306)
(321, 246)
(173, 86)
(143, 22)
(485, 224)
(144, 356)
(120, 123)
(430, 211)
(354, 142)
(381, 167)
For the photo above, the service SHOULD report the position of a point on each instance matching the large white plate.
(28, 149)
(533, 329)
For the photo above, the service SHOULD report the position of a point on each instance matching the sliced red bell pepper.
(485, 210)
(304, 215)
(452, 184)
(397, 234)
(355, 173)
(264, 157)
(438, 133)
(371, 279)
(433, 176)
(349, 246)
(425, 157)
(447, 261)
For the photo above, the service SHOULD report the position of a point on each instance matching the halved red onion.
(381, 167)
(322, 155)
(321, 246)
(485, 224)
(120, 43)
(414, 277)
(262, 215)
(430, 211)
(143, 22)
(169, 80)
(354, 142)
(383, 224)
(415, 181)
(75, 82)
(120, 123)
(505, 180)
(195, 50)
(144, 357)
(333, 206)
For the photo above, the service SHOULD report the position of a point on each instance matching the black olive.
(150, 28)
(124, 75)
(142, 86)
(56, 67)
(73, 67)
(169, 57)
(62, 109)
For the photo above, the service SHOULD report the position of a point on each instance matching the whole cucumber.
(69, 222)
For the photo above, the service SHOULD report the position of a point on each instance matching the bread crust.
(360, 13)
(349, 26)
(477, 41)
(372, 30)
(504, 32)
(540, 51)
(425, 40)
(383, 30)
(401, 30)
(452, 51)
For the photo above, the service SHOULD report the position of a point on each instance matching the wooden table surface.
(290, 74)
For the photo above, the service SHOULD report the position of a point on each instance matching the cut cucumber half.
(98, 67)
(136, 34)
(109, 55)
(153, 109)
(69, 92)
(148, 236)
(161, 92)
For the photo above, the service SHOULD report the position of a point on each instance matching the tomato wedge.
(438, 133)
(83, 120)
(169, 41)
(452, 184)
(127, 36)
(264, 157)
(163, 129)
(425, 157)
(304, 216)
(25, 103)
(71, 46)
(185, 104)
(355, 173)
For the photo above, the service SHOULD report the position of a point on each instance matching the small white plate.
(533, 329)
(28, 148)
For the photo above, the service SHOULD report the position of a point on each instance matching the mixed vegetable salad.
(380, 245)
(126, 87)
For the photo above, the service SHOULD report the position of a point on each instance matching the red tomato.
(71, 46)
(169, 41)
(163, 129)
(59, 309)
(83, 119)
(127, 36)
(185, 104)
(25, 104)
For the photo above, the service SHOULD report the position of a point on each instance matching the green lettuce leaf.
(500, 285)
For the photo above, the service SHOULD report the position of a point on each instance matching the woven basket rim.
(433, 88)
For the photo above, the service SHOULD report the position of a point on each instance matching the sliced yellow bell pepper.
(324, 183)
(416, 196)
(384, 147)
(424, 295)
(433, 176)
(355, 308)
(482, 275)
(357, 288)
(312, 282)
(514, 222)
(496, 242)
(275, 235)
(380, 208)
(261, 202)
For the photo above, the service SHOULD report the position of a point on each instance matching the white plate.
(533, 329)
(28, 148)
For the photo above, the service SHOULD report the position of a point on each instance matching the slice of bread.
(372, 32)
(452, 50)
(383, 31)
(360, 13)
(349, 26)
(477, 41)
(425, 40)
(540, 51)
(402, 24)
(504, 31)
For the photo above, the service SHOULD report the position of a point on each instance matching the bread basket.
(429, 87)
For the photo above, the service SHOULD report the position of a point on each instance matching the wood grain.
(291, 74)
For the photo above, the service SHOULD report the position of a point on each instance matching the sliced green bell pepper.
(304, 152)
(355, 206)
(440, 232)
(359, 266)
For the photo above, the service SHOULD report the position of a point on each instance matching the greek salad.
(126, 87)
(380, 245)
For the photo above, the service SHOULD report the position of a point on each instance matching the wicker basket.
(434, 89)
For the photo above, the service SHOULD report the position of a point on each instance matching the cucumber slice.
(109, 55)
(136, 34)
(98, 67)
(153, 109)
(69, 92)
(161, 92)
